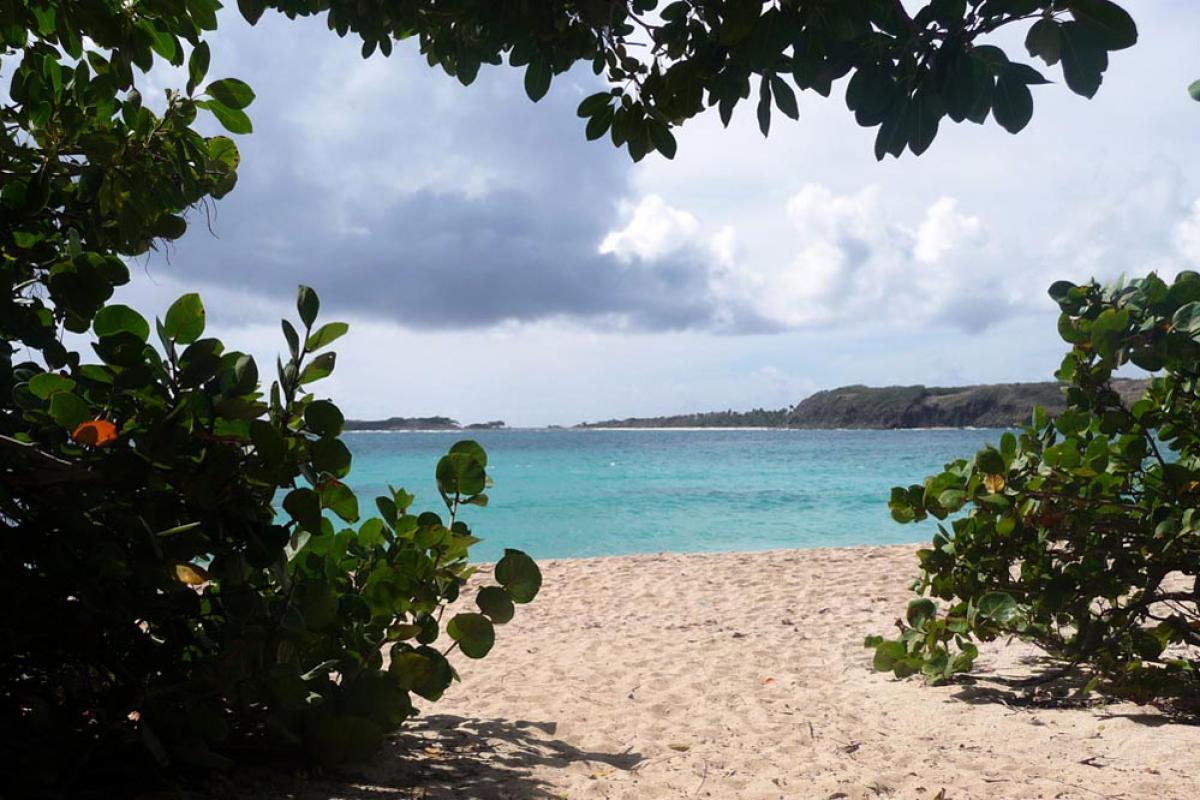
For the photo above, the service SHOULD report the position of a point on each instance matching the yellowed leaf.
(993, 483)
(191, 574)
(682, 748)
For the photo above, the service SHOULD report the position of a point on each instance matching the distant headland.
(420, 424)
(985, 406)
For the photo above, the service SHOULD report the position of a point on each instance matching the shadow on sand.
(1052, 684)
(445, 756)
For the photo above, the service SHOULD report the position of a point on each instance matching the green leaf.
(461, 474)
(921, 611)
(892, 137)
(662, 138)
(169, 226)
(324, 418)
(308, 304)
(1194, 90)
(785, 98)
(340, 499)
(1043, 41)
(424, 671)
(370, 534)
(519, 575)
(117, 318)
(330, 455)
(1012, 104)
(990, 461)
(999, 606)
(1107, 21)
(474, 633)
(327, 334)
(231, 93)
(46, 384)
(387, 507)
(223, 151)
(252, 10)
(185, 319)
(887, 654)
(924, 115)
(594, 104)
(197, 66)
(293, 338)
(471, 448)
(764, 106)
(1060, 291)
(1083, 59)
(68, 410)
(599, 124)
(496, 604)
(231, 119)
(304, 506)
(268, 442)
(1187, 318)
(320, 367)
(1008, 446)
(537, 78)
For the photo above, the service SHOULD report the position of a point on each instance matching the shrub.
(153, 597)
(1081, 533)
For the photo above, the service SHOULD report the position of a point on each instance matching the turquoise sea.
(573, 493)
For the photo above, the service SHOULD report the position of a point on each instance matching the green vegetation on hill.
(420, 424)
(987, 406)
(403, 424)
(758, 418)
(1003, 405)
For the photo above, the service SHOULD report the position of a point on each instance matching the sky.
(493, 264)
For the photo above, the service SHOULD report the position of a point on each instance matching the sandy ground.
(744, 676)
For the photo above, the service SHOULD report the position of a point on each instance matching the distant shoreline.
(917, 407)
(631, 428)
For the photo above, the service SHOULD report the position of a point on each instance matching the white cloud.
(844, 260)
(654, 230)
(944, 230)
(1187, 236)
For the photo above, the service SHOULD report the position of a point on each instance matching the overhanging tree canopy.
(668, 62)
(117, 480)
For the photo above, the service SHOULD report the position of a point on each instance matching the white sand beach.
(743, 675)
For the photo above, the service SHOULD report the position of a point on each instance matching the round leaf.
(1000, 606)
(185, 319)
(68, 410)
(324, 418)
(471, 448)
(330, 455)
(495, 602)
(48, 383)
(519, 575)
(117, 318)
(474, 633)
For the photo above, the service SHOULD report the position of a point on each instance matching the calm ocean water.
(571, 493)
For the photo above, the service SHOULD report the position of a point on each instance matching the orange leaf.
(95, 432)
